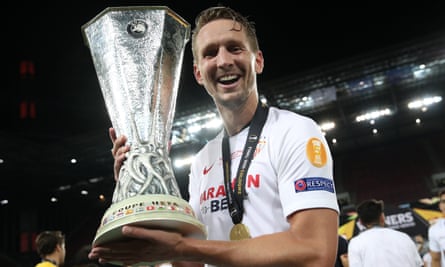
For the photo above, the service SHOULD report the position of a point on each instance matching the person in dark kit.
(342, 252)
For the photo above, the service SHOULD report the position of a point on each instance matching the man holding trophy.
(263, 187)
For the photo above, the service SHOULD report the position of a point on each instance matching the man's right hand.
(118, 151)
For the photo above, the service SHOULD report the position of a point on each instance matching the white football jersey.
(291, 170)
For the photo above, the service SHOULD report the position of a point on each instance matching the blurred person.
(426, 260)
(378, 245)
(342, 252)
(290, 216)
(421, 243)
(50, 246)
(436, 236)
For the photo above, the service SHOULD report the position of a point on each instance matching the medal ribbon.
(236, 196)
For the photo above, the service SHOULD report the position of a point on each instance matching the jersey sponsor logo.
(314, 184)
(215, 205)
(206, 170)
(316, 152)
(214, 192)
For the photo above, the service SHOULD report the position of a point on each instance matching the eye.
(210, 53)
(235, 49)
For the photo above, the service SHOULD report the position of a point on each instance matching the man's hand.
(143, 245)
(118, 151)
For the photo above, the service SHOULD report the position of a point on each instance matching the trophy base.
(164, 212)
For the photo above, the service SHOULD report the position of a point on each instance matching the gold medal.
(239, 231)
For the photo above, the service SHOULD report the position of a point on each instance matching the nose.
(224, 58)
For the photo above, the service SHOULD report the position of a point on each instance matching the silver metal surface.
(137, 53)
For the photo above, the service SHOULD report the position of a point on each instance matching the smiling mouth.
(228, 79)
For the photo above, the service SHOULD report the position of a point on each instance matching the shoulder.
(438, 223)
(356, 243)
(402, 236)
(437, 226)
(281, 121)
(278, 114)
(213, 143)
(358, 238)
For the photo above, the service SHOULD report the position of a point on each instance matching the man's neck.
(373, 225)
(237, 120)
(49, 259)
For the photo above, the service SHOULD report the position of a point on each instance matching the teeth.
(228, 78)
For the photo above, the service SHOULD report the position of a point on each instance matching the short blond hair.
(221, 12)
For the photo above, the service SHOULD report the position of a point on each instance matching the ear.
(197, 74)
(382, 219)
(259, 62)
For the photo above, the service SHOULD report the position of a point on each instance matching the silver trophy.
(137, 53)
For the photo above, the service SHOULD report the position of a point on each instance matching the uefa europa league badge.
(137, 53)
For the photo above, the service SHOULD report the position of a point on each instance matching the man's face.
(225, 63)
